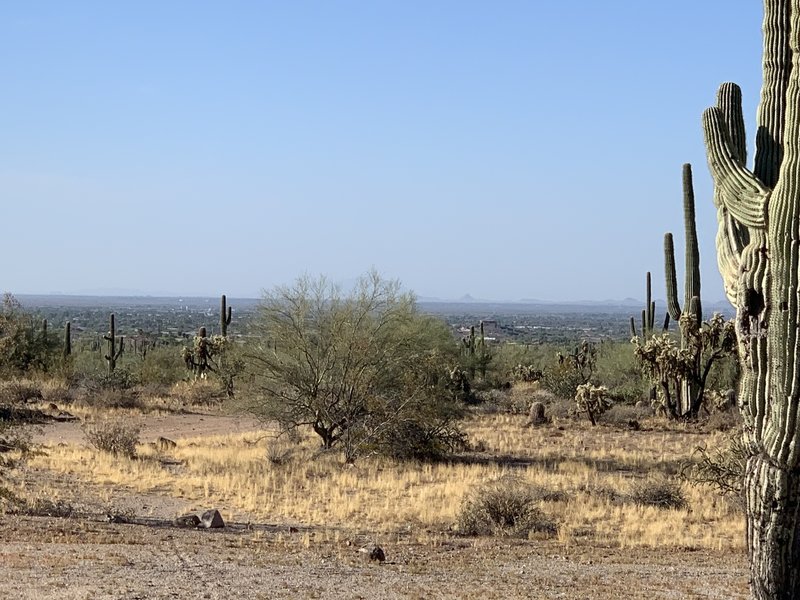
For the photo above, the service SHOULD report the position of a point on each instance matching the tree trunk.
(773, 543)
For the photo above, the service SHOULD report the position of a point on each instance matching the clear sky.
(508, 149)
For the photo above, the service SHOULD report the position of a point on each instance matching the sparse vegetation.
(113, 436)
(562, 482)
(505, 507)
(659, 494)
(364, 370)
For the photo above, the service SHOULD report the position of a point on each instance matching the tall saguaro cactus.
(225, 314)
(67, 339)
(692, 274)
(113, 350)
(758, 250)
(691, 304)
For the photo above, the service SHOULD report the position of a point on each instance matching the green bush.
(161, 365)
(618, 370)
(561, 380)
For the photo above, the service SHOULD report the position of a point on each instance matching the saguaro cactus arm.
(742, 194)
(673, 304)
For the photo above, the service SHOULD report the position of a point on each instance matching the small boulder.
(211, 519)
(373, 553)
(187, 521)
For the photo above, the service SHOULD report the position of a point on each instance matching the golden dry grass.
(589, 465)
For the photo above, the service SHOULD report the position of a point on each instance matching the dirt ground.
(85, 557)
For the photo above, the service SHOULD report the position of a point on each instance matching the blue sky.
(503, 149)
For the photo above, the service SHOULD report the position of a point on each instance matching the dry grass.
(590, 474)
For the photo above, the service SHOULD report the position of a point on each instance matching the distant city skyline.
(506, 151)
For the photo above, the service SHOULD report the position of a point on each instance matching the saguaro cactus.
(692, 308)
(469, 350)
(67, 339)
(225, 314)
(113, 350)
(758, 213)
(649, 314)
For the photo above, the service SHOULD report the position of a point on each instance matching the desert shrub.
(365, 369)
(724, 375)
(118, 379)
(19, 391)
(724, 421)
(114, 437)
(26, 346)
(561, 409)
(618, 370)
(518, 362)
(35, 507)
(561, 380)
(278, 454)
(609, 494)
(200, 392)
(658, 493)
(110, 398)
(518, 399)
(543, 494)
(625, 415)
(505, 507)
(420, 439)
(15, 436)
(57, 391)
(161, 365)
(722, 467)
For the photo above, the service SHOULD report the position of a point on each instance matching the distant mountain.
(624, 302)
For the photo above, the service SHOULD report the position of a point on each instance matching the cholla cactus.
(592, 399)
(669, 366)
(583, 360)
(199, 359)
(526, 373)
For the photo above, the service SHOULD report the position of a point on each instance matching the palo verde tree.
(758, 254)
(361, 368)
(25, 345)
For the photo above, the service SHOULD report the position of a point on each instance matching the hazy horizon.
(505, 151)
(462, 299)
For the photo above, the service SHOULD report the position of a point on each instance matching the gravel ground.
(70, 559)
(85, 557)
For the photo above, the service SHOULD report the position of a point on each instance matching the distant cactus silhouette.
(67, 339)
(648, 314)
(114, 351)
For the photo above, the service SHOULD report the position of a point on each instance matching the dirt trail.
(173, 426)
